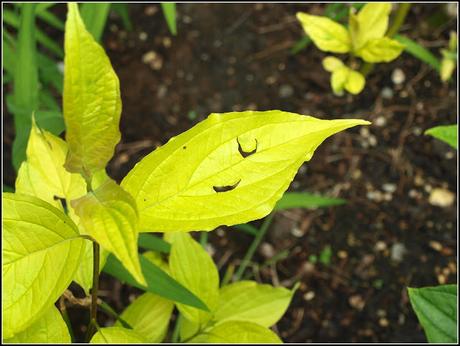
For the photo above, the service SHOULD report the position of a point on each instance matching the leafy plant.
(364, 38)
(67, 215)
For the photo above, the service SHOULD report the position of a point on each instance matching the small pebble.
(286, 91)
(435, 245)
(398, 251)
(389, 187)
(440, 197)
(356, 301)
(143, 36)
(387, 93)
(398, 77)
(150, 10)
(309, 295)
(267, 250)
(380, 246)
(380, 121)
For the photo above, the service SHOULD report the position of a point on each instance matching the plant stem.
(109, 310)
(204, 239)
(94, 289)
(400, 16)
(175, 334)
(252, 249)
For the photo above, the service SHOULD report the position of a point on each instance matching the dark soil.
(231, 57)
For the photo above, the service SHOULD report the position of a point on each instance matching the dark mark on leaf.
(246, 153)
(226, 188)
(62, 200)
(184, 147)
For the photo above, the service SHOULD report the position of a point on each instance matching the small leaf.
(109, 215)
(41, 252)
(338, 79)
(192, 266)
(436, 309)
(331, 63)
(91, 100)
(180, 200)
(117, 335)
(238, 332)
(43, 175)
(380, 50)
(328, 35)
(149, 316)
(373, 23)
(447, 68)
(49, 329)
(355, 82)
(306, 200)
(158, 281)
(252, 302)
(445, 133)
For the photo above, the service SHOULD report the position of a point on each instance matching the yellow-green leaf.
(447, 68)
(149, 316)
(109, 215)
(328, 35)
(192, 266)
(91, 100)
(43, 174)
(372, 23)
(355, 82)
(117, 335)
(253, 302)
(84, 274)
(239, 332)
(338, 79)
(49, 329)
(380, 50)
(331, 63)
(41, 252)
(217, 184)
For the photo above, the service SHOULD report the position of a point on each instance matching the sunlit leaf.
(91, 100)
(109, 215)
(221, 182)
(380, 50)
(41, 252)
(331, 63)
(373, 22)
(328, 35)
(117, 335)
(49, 329)
(445, 133)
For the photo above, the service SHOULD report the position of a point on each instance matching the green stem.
(252, 249)
(109, 310)
(175, 334)
(401, 14)
(204, 239)
(94, 289)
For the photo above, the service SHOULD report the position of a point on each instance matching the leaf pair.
(242, 308)
(364, 38)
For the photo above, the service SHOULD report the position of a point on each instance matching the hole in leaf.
(246, 153)
(226, 187)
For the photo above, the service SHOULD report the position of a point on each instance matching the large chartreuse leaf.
(436, 309)
(234, 167)
(117, 335)
(253, 302)
(328, 35)
(372, 23)
(149, 316)
(109, 215)
(238, 332)
(91, 100)
(49, 329)
(41, 252)
(43, 174)
(192, 266)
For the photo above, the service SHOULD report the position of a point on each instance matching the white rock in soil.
(398, 250)
(286, 91)
(389, 187)
(387, 93)
(398, 77)
(440, 197)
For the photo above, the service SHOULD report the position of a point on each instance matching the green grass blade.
(95, 17)
(50, 18)
(306, 200)
(151, 242)
(123, 11)
(247, 228)
(158, 282)
(169, 11)
(418, 51)
(49, 72)
(13, 20)
(25, 85)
